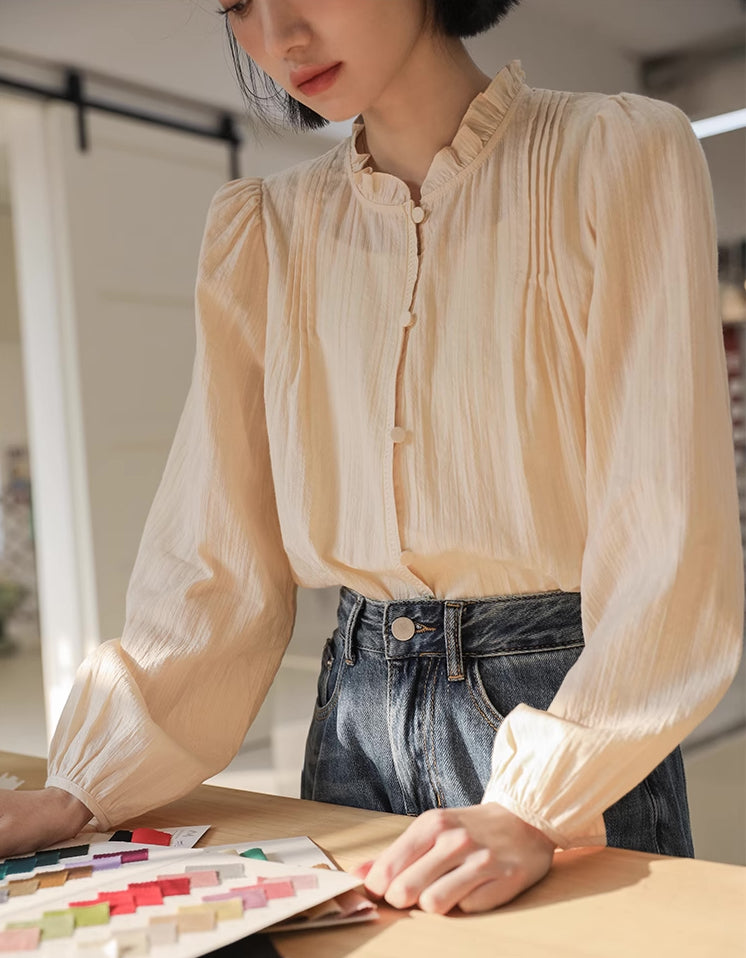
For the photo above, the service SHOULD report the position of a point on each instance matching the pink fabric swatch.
(205, 879)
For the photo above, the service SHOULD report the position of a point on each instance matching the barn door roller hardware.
(73, 92)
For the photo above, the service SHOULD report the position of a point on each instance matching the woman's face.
(364, 44)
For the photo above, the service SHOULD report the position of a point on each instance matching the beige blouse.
(517, 385)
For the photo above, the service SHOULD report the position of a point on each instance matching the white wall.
(12, 405)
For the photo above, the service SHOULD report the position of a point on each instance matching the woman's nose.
(284, 27)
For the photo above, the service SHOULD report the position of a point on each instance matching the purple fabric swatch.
(251, 897)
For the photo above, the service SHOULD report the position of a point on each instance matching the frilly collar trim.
(482, 118)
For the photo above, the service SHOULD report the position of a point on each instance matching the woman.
(468, 366)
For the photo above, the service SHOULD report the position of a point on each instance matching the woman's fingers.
(451, 848)
(477, 858)
(409, 847)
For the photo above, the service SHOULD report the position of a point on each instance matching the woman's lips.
(321, 82)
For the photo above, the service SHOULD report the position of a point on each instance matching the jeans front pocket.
(332, 668)
(498, 683)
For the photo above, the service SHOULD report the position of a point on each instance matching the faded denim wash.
(407, 724)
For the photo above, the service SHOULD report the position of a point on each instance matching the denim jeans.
(411, 693)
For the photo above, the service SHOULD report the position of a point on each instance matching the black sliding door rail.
(73, 92)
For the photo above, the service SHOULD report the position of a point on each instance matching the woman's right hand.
(32, 820)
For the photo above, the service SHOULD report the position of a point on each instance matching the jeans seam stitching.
(433, 770)
(391, 742)
(481, 701)
(656, 817)
(526, 651)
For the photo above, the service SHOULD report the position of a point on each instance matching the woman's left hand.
(477, 857)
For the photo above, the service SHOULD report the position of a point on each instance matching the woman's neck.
(420, 112)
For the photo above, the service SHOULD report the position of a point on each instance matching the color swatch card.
(94, 902)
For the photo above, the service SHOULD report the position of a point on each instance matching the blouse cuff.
(100, 819)
(597, 835)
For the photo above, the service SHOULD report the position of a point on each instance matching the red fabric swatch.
(147, 893)
(173, 885)
(150, 836)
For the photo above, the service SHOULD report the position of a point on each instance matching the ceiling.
(646, 28)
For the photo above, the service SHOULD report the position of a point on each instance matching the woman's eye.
(239, 9)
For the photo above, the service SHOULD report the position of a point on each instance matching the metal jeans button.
(402, 628)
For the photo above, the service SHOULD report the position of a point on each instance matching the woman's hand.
(36, 819)
(477, 858)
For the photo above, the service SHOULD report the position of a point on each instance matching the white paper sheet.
(172, 861)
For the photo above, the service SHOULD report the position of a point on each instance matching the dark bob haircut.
(274, 106)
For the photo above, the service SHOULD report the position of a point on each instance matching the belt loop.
(452, 630)
(350, 626)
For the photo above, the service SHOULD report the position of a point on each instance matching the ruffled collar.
(482, 118)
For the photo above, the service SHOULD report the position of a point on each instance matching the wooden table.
(595, 903)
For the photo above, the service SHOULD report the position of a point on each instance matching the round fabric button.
(418, 214)
(402, 628)
(398, 434)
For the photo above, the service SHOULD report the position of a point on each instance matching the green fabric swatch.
(20, 866)
(254, 853)
(91, 915)
(58, 926)
(47, 858)
(74, 851)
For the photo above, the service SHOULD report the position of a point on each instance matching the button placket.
(399, 434)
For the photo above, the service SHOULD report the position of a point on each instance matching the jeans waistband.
(503, 625)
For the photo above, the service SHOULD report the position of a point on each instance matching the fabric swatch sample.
(174, 884)
(52, 879)
(136, 855)
(302, 882)
(101, 864)
(22, 886)
(151, 836)
(121, 836)
(82, 871)
(204, 920)
(57, 926)
(120, 902)
(20, 939)
(74, 851)
(203, 879)
(47, 858)
(255, 853)
(228, 908)
(95, 914)
(20, 866)
(252, 896)
(278, 889)
(229, 871)
(147, 893)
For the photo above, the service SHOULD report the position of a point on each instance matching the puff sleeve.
(662, 586)
(211, 601)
